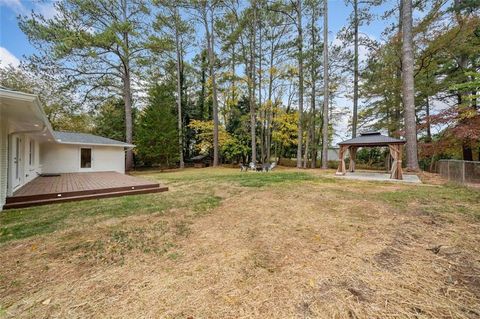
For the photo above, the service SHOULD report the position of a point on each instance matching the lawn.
(220, 243)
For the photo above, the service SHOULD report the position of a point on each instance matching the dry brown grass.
(321, 248)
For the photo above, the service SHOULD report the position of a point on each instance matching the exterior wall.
(109, 159)
(59, 158)
(65, 158)
(3, 162)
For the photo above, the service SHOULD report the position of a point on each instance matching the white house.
(29, 147)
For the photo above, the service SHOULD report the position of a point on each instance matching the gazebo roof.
(372, 139)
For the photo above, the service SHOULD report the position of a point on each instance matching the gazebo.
(372, 139)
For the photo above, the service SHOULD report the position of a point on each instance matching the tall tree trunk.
(262, 110)
(179, 90)
(396, 114)
(325, 87)
(408, 88)
(270, 102)
(305, 154)
(127, 97)
(467, 151)
(427, 111)
(355, 70)
(300, 83)
(253, 118)
(211, 56)
(127, 91)
(203, 80)
(234, 88)
(313, 76)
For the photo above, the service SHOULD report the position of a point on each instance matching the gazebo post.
(341, 163)
(396, 153)
(353, 158)
(399, 161)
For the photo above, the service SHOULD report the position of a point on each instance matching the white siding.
(3, 162)
(108, 159)
(65, 158)
(59, 158)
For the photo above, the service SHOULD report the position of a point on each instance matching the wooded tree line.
(445, 71)
(252, 80)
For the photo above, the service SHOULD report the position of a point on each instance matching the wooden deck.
(79, 186)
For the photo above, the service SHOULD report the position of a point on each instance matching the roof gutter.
(128, 146)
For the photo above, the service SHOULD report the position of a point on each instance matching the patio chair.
(243, 168)
(268, 167)
(252, 166)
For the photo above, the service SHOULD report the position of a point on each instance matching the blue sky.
(14, 45)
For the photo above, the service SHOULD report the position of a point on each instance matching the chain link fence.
(464, 172)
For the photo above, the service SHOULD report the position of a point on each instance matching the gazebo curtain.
(341, 157)
(353, 157)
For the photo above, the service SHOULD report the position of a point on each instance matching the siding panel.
(3, 162)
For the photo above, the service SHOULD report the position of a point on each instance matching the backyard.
(220, 243)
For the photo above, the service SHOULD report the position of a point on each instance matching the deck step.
(59, 195)
(105, 194)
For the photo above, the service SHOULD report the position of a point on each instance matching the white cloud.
(6, 58)
(15, 5)
(46, 9)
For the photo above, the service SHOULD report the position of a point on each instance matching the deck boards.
(71, 182)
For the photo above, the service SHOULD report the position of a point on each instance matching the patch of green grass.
(206, 204)
(3, 312)
(266, 179)
(433, 200)
(225, 175)
(24, 223)
(174, 255)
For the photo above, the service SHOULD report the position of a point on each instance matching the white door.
(17, 161)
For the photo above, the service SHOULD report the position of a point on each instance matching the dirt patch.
(390, 257)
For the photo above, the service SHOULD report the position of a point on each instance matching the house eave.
(96, 144)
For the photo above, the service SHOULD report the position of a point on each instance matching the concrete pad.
(380, 177)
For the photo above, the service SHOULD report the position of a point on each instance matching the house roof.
(87, 139)
(24, 113)
(372, 139)
(27, 115)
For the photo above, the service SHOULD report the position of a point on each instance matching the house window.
(85, 158)
(31, 154)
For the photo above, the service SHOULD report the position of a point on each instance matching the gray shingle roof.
(372, 139)
(87, 139)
